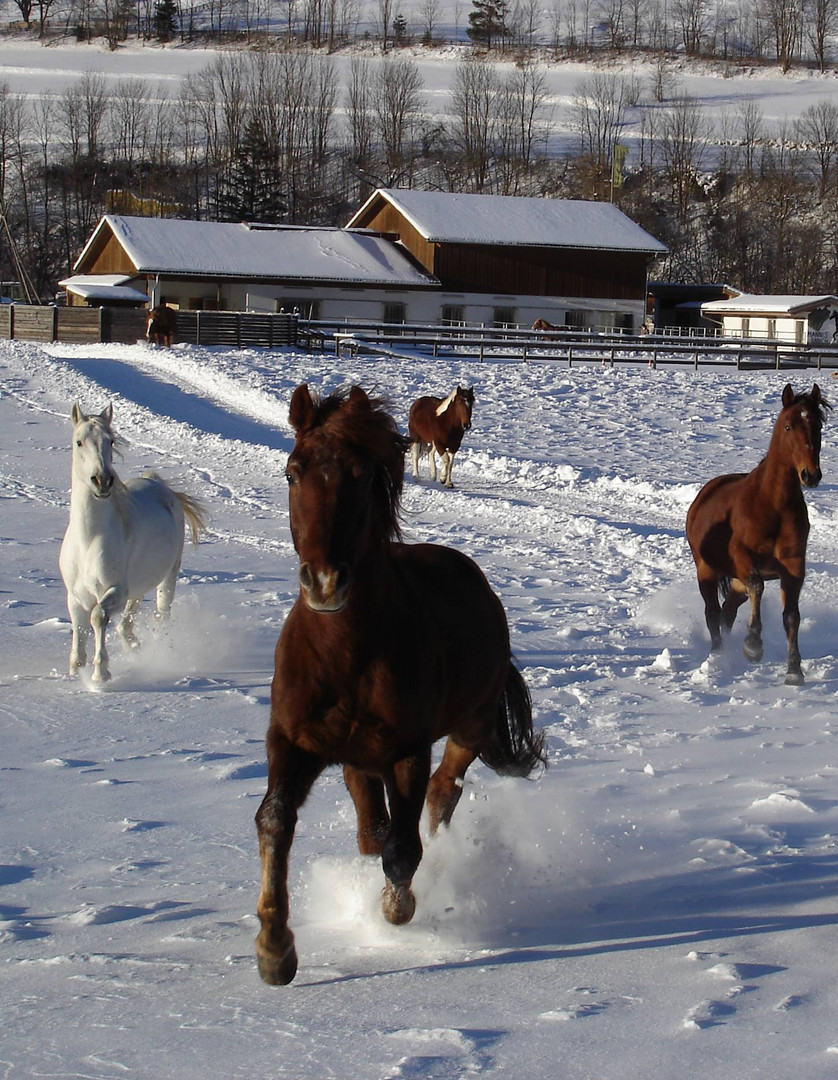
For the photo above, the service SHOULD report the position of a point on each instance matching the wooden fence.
(81, 325)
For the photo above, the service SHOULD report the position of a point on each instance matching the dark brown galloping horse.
(437, 424)
(389, 647)
(161, 325)
(748, 528)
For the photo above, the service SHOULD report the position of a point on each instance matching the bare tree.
(682, 141)
(751, 133)
(397, 96)
(818, 128)
(359, 111)
(129, 116)
(821, 22)
(785, 18)
(473, 120)
(521, 123)
(599, 112)
(430, 14)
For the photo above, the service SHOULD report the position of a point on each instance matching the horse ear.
(301, 411)
(358, 396)
(76, 414)
(106, 415)
(788, 395)
(815, 395)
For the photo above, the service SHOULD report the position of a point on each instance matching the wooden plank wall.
(236, 329)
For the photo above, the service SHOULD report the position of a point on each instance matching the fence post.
(54, 332)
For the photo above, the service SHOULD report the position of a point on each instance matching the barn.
(503, 259)
(405, 256)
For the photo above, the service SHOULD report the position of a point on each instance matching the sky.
(661, 901)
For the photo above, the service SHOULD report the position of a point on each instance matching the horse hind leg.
(432, 461)
(447, 466)
(165, 594)
(446, 785)
(125, 629)
(735, 598)
(415, 454)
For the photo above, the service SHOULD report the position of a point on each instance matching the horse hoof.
(794, 678)
(753, 652)
(276, 969)
(101, 676)
(398, 904)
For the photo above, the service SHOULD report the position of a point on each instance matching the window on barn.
(503, 317)
(452, 315)
(395, 312)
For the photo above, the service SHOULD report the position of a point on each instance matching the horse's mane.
(443, 405)
(366, 429)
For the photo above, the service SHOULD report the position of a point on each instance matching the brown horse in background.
(748, 528)
(542, 324)
(161, 325)
(437, 425)
(388, 648)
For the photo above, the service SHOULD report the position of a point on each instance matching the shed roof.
(754, 304)
(515, 220)
(256, 252)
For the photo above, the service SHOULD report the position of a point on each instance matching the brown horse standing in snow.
(161, 324)
(389, 647)
(437, 425)
(748, 528)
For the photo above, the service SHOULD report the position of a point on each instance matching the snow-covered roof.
(753, 304)
(516, 220)
(104, 287)
(252, 252)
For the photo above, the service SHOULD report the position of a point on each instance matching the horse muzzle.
(324, 591)
(102, 486)
(810, 478)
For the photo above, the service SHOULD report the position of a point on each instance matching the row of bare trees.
(787, 32)
(276, 136)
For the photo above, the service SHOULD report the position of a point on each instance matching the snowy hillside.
(661, 903)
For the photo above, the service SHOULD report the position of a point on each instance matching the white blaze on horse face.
(93, 456)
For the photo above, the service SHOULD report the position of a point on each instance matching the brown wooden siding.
(541, 271)
(384, 217)
(109, 258)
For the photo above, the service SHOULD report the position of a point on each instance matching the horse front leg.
(80, 621)
(415, 454)
(753, 642)
(447, 466)
(126, 625)
(113, 600)
(370, 809)
(291, 773)
(402, 851)
(432, 461)
(446, 784)
(708, 586)
(790, 594)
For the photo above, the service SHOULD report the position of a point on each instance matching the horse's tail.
(195, 513)
(514, 749)
(724, 587)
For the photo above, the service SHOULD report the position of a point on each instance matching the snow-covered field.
(663, 902)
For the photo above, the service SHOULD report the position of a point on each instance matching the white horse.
(123, 540)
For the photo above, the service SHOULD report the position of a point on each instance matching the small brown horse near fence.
(437, 424)
(542, 324)
(748, 528)
(161, 325)
(389, 647)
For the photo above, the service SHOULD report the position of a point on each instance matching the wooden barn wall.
(111, 258)
(541, 271)
(385, 218)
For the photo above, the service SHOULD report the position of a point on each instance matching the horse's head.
(464, 403)
(93, 443)
(799, 428)
(345, 477)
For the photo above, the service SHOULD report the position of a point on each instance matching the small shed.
(797, 320)
(103, 290)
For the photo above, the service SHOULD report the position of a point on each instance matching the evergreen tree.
(165, 19)
(488, 22)
(253, 185)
